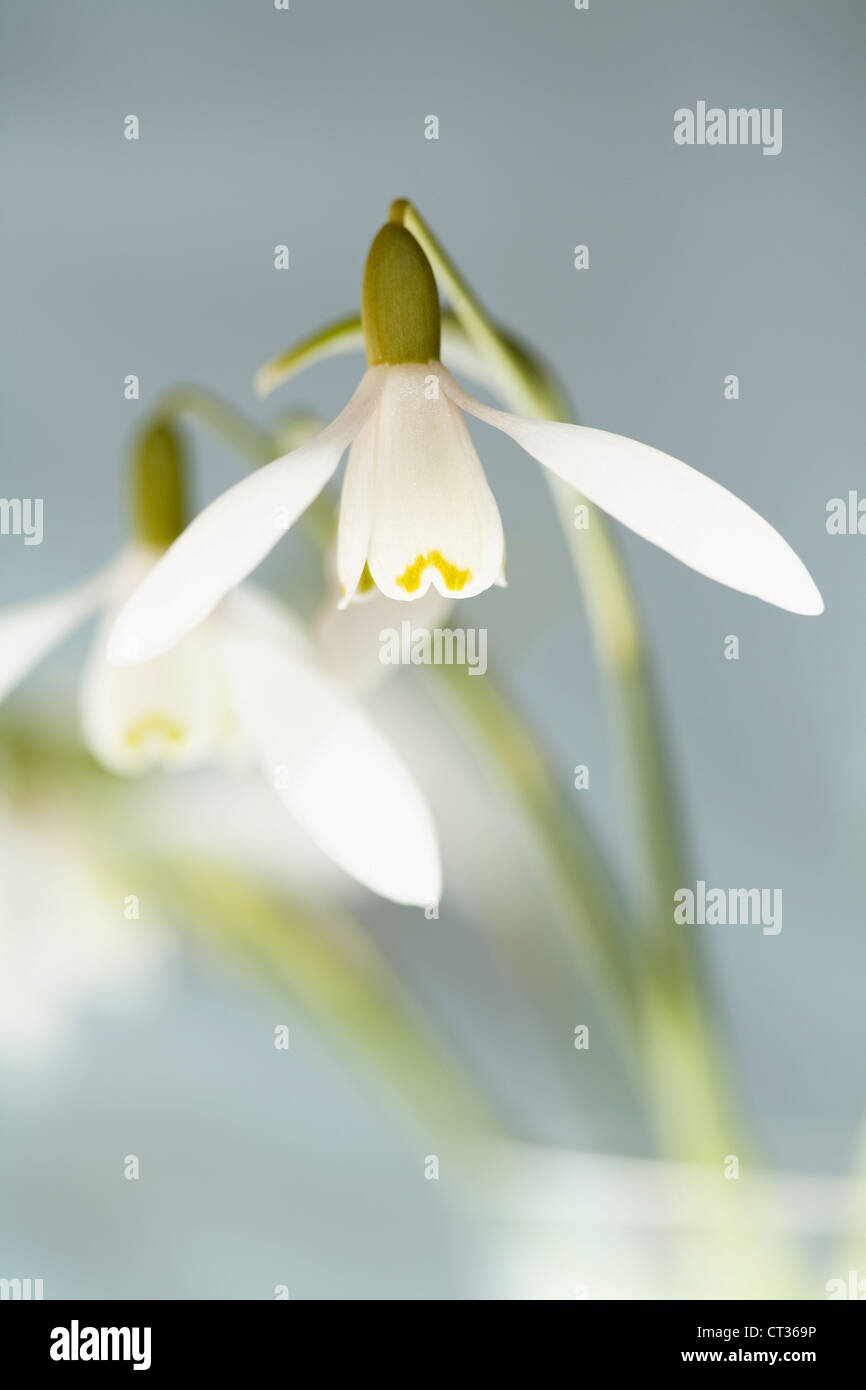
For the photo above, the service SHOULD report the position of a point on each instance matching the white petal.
(435, 518)
(356, 511)
(28, 631)
(333, 771)
(693, 518)
(232, 536)
(172, 712)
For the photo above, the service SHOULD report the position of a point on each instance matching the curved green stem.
(694, 1120)
(343, 335)
(244, 436)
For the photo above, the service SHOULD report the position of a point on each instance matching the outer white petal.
(693, 518)
(28, 631)
(435, 518)
(356, 511)
(334, 772)
(232, 536)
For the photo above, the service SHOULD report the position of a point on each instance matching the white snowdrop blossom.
(416, 508)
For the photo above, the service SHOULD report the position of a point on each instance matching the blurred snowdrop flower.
(416, 508)
(247, 679)
(65, 945)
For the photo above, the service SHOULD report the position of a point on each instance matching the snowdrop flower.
(248, 679)
(62, 949)
(416, 508)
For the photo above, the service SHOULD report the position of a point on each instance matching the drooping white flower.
(416, 507)
(246, 678)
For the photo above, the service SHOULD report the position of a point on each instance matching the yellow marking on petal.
(455, 579)
(152, 726)
(366, 582)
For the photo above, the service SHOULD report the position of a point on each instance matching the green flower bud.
(399, 300)
(158, 485)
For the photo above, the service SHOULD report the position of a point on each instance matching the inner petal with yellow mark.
(150, 729)
(431, 520)
(171, 712)
(455, 579)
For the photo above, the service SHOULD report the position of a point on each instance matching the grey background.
(260, 127)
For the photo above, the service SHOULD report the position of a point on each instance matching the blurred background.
(304, 1168)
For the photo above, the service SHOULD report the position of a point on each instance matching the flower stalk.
(693, 1119)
